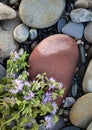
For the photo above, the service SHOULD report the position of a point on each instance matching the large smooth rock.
(81, 15)
(88, 32)
(81, 112)
(7, 42)
(87, 81)
(6, 12)
(56, 55)
(41, 13)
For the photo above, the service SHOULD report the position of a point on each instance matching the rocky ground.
(62, 32)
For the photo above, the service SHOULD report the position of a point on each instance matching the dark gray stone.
(71, 128)
(74, 29)
(2, 71)
(61, 24)
(74, 88)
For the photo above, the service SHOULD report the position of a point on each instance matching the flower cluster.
(22, 101)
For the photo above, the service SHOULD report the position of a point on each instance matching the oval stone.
(56, 55)
(41, 13)
(81, 112)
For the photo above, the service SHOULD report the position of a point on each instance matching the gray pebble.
(21, 33)
(74, 29)
(2, 71)
(60, 24)
(68, 102)
(81, 15)
(33, 34)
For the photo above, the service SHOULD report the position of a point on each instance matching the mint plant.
(22, 101)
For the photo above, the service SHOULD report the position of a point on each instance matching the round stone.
(52, 56)
(81, 4)
(21, 33)
(33, 34)
(81, 112)
(41, 13)
(87, 81)
(88, 32)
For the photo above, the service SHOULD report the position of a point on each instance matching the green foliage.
(22, 101)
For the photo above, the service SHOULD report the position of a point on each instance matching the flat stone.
(88, 32)
(81, 15)
(6, 12)
(71, 128)
(68, 102)
(74, 29)
(7, 42)
(52, 56)
(2, 71)
(41, 13)
(61, 24)
(81, 112)
(89, 126)
(21, 33)
(87, 81)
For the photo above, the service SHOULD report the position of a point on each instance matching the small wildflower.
(47, 97)
(60, 85)
(52, 79)
(14, 56)
(55, 107)
(27, 84)
(51, 87)
(48, 121)
(29, 96)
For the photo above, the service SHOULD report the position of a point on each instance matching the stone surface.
(60, 24)
(33, 34)
(81, 112)
(2, 71)
(41, 13)
(71, 128)
(56, 55)
(87, 81)
(88, 32)
(69, 101)
(81, 15)
(7, 42)
(83, 4)
(21, 33)
(6, 12)
(89, 126)
(74, 88)
(74, 29)
(13, 1)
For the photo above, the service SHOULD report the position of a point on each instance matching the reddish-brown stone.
(56, 55)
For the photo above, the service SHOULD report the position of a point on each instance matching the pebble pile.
(58, 36)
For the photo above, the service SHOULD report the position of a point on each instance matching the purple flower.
(18, 86)
(14, 56)
(47, 97)
(29, 96)
(60, 85)
(54, 105)
(51, 87)
(27, 84)
(48, 120)
(52, 79)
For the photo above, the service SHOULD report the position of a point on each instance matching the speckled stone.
(53, 55)
(81, 15)
(88, 32)
(41, 13)
(81, 112)
(87, 81)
